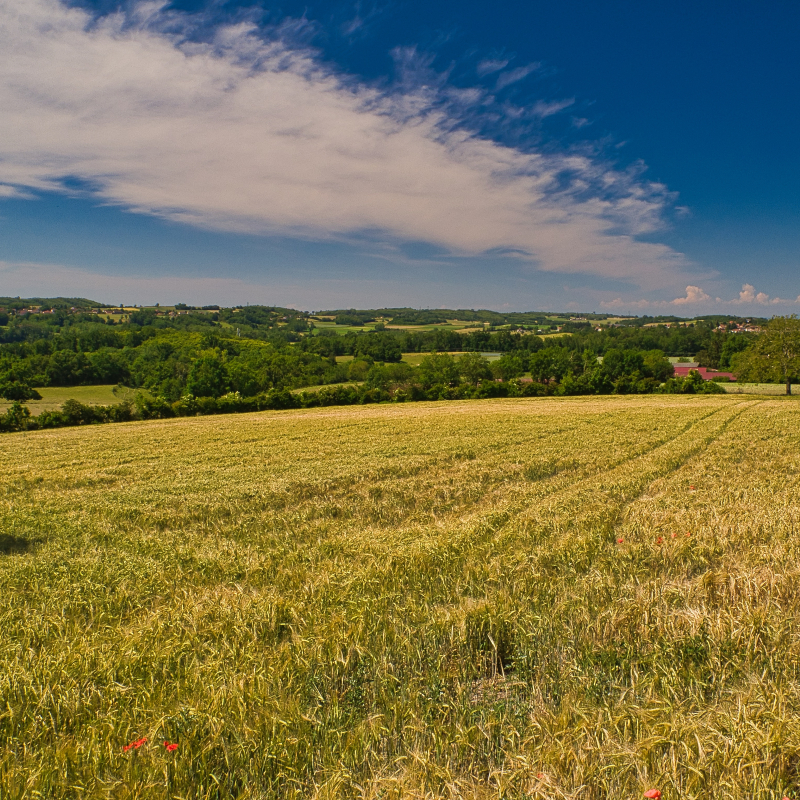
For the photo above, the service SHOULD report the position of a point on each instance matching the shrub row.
(147, 406)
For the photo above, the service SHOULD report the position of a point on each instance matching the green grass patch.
(450, 325)
(54, 396)
(415, 359)
(757, 388)
(342, 329)
(313, 389)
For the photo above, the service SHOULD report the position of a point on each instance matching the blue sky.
(617, 156)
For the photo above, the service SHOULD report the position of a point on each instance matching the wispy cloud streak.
(514, 75)
(247, 132)
(489, 65)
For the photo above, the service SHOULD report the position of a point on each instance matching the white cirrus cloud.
(489, 65)
(545, 109)
(12, 191)
(514, 75)
(246, 133)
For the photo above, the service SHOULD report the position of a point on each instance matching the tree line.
(259, 349)
(439, 377)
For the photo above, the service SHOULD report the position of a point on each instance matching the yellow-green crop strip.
(53, 397)
(546, 598)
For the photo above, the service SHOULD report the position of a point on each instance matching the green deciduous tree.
(437, 369)
(386, 376)
(474, 368)
(16, 390)
(779, 346)
(207, 376)
(510, 365)
(16, 418)
(550, 364)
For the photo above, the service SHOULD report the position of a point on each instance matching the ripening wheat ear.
(406, 601)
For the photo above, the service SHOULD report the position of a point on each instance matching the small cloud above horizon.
(695, 296)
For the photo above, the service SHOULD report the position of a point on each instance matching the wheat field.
(547, 598)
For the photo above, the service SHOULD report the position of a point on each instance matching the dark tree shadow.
(12, 545)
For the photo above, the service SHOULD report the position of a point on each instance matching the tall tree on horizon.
(780, 344)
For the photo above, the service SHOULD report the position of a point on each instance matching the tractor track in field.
(525, 519)
(437, 465)
(655, 463)
(600, 477)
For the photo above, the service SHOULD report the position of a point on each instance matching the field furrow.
(556, 598)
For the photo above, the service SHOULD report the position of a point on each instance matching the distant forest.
(179, 351)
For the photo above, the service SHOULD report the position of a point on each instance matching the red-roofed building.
(681, 371)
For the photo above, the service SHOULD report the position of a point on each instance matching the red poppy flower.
(540, 775)
(653, 794)
(170, 748)
(135, 745)
(688, 533)
(674, 535)
(659, 540)
(691, 488)
(620, 540)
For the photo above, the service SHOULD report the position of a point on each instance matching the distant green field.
(410, 358)
(312, 389)
(550, 599)
(341, 329)
(54, 396)
(450, 325)
(414, 359)
(757, 388)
